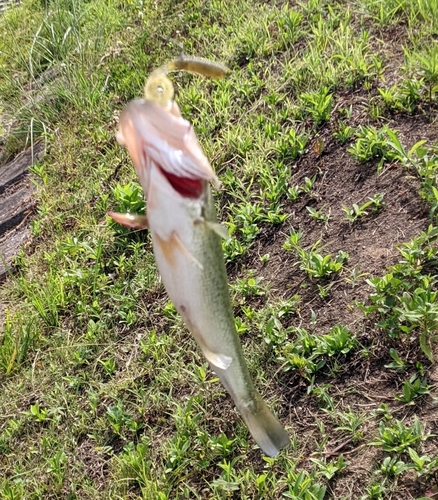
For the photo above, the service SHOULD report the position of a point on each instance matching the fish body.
(186, 237)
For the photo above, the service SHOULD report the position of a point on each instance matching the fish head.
(160, 136)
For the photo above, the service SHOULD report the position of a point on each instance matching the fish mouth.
(186, 187)
(162, 138)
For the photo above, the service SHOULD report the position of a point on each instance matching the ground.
(330, 197)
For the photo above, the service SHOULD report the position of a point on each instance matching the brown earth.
(371, 244)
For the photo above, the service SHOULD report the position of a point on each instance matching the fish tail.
(264, 426)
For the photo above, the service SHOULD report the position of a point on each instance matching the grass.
(322, 119)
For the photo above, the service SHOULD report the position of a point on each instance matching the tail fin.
(264, 427)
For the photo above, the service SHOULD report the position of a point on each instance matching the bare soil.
(371, 243)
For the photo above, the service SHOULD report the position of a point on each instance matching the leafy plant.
(14, 345)
(317, 265)
(348, 422)
(322, 394)
(397, 363)
(422, 464)
(302, 486)
(118, 418)
(329, 470)
(135, 464)
(318, 214)
(374, 492)
(338, 341)
(372, 143)
(318, 105)
(396, 437)
(250, 286)
(413, 388)
(356, 212)
(344, 132)
(290, 145)
(57, 468)
(38, 413)
(420, 308)
(293, 240)
(309, 353)
(428, 67)
(392, 467)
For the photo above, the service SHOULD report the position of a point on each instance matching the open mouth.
(189, 188)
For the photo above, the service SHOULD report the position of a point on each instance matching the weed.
(250, 286)
(348, 422)
(317, 265)
(372, 143)
(322, 395)
(57, 467)
(318, 214)
(135, 464)
(329, 470)
(355, 213)
(405, 298)
(428, 68)
(374, 492)
(344, 132)
(14, 345)
(355, 276)
(419, 308)
(413, 388)
(422, 464)
(309, 353)
(290, 145)
(37, 413)
(318, 105)
(48, 301)
(338, 341)
(109, 365)
(324, 291)
(12, 489)
(397, 438)
(392, 467)
(382, 412)
(302, 486)
(293, 240)
(396, 363)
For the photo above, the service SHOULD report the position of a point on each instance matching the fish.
(186, 237)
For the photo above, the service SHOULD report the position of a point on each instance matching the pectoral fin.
(219, 229)
(133, 221)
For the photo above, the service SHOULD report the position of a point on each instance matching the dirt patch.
(363, 384)
(371, 242)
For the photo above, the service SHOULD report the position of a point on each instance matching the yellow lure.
(159, 88)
